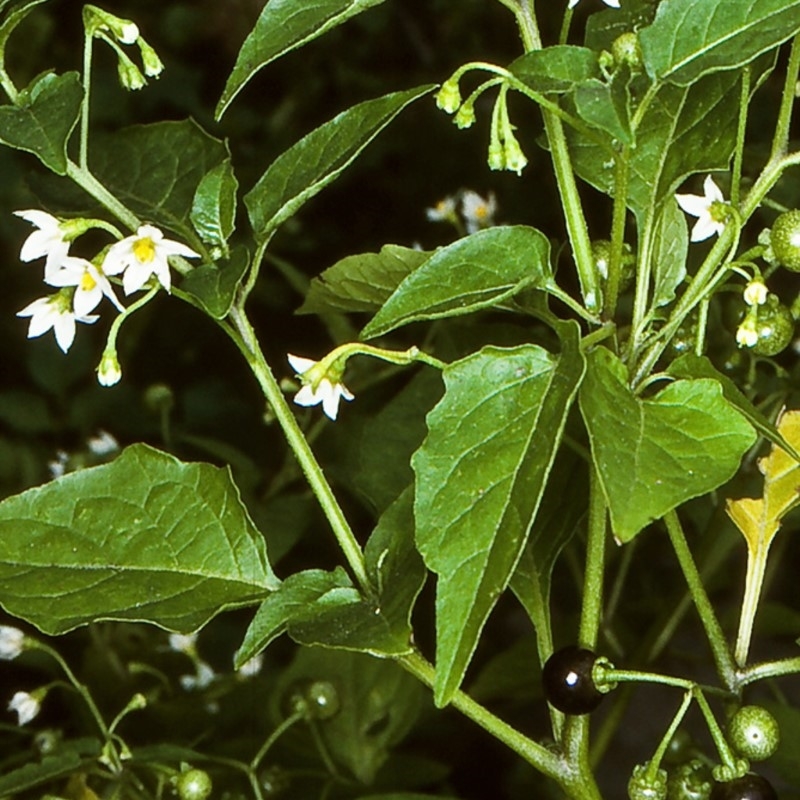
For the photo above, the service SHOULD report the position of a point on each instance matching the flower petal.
(299, 364)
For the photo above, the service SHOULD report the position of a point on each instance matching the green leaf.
(379, 703)
(652, 455)
(362, 282)
(156, 169)
(212, 287)
(43, 118)
(688, 40)
(71, 757)
(324, 608)
(556, 69)
(214, 206)
(476, 272)
(684, 130)
(283, 26)
(480, 475)
(319, 158)
(604, 106)
(670, 247)
(690, 366)
(9, 24)
(145, 538)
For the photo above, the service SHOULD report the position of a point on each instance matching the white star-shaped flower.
(478, 212)
(47, 242)
(612, 3)
(710, 210)
(90, 284)
(54, 312)
(143, 254)
(445, 209)
(318, 389)
(26, 705)
(11, 642)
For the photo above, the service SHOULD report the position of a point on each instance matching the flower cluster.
(83, 284)
(476, 212)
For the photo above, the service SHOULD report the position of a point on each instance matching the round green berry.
(754, 733)
(646, 784)
(194, 784)
(775, 328)
(785, 240)
(322, 699)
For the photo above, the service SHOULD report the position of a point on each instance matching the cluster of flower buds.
(82, 284)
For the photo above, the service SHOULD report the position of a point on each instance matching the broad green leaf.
(283, 26)
(43, 118)
(290, 599)
(480, 475)
(473, 273)
(319, 158)
(603, 105)
(379, 703)
(690, 366)
(155, 169)
(670, 247)
(688, 40)
(212, 287)
(556, 69)
(604, 27)
(324, 608)
(652, 455)
(362, 282)
(214, 206)
(684, 130)
(145, 538)
(563, 505)
(759, 519)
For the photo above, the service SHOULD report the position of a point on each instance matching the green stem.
(83, 158)
(244, 337)
(726, 755)
(93, 187)
(592, 604)
(655, 761)
(770, 669)
(754, 580)
(716, 638)
(273, 737)
(781, 138)
(621, 173)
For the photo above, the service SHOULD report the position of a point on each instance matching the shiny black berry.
(568, 683)
(748, 787)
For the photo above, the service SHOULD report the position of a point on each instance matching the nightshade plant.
(585, 395)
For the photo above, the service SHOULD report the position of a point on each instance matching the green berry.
(646, 785)
(754, 733)
(775, 328)
(785, 240)
(194, 784)
(322, 699)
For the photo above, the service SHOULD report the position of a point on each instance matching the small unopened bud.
(130, 76)
(448, 98)
(109, 371)
(465, 116)
(514, 157)
(153, 66)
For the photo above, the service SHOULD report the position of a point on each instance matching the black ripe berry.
(567, 680)
(748, 787)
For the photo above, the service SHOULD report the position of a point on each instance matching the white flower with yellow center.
(54, 312)
(711, 210)
(478, 212)
(143, 254)
(26, 705)
(444, 210)
(46, 242)
(318, 388)
(755, 293)
(90, 284)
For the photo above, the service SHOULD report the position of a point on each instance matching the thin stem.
(592, 604)
(770, 669)
(738, 153)
(93, 187)
(113, 332)
(726, 755)
(242, 334)
(716, 638)
(88, 41)
(621, 173)
(781, 138)
(273, 737)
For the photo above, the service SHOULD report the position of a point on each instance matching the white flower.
(710, 210)
(183, 643)
(747, 332)
(755, 293)
(251, 667)
(11, 642)
(103, 444)
(109, 371)
(89, 282)
(612, 3)
(26, 705)
(143, 254)
(318, 390)
(444, 210)
(477, 212)
(54, 312)
(46, 242)
(203, 677)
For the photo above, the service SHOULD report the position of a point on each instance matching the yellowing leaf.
(759, 519)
